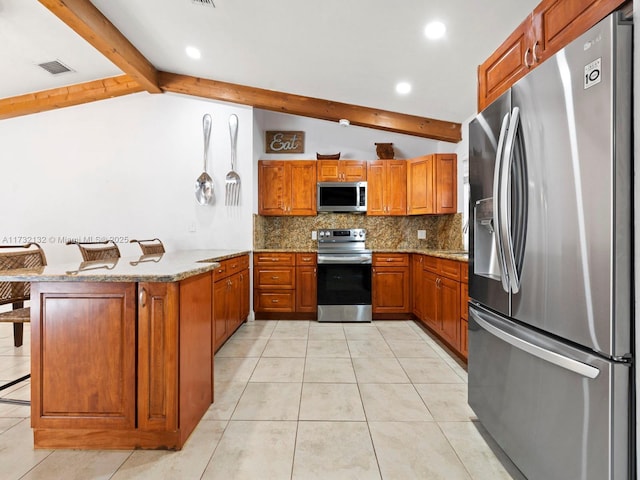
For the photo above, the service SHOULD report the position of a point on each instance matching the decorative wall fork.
(232, 180)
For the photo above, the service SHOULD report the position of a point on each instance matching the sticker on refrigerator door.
(592, 73)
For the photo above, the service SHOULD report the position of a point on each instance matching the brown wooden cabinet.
(342, 171)
(230, 297)
(387, 187)
(550, 27)
(284, 285)
(464, 313)
(439, 290)
(287, 187)
(432, 184)
(390, 283)
(416, 285)
(274, 282)
(306, 283)
(111, 374)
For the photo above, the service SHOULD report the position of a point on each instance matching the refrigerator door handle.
(484, 321)
(498, 227)
(505, 206)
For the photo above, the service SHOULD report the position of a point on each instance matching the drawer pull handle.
(142, 297)
(274, 301)
(275, 277)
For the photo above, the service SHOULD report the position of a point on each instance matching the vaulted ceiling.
(330, 60)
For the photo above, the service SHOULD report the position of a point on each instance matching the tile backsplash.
(443, 232)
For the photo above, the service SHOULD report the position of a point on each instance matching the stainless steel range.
(344, 276)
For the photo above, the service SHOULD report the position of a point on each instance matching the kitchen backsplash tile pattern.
(383, 233)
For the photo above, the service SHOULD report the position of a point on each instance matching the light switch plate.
(422, 234)
(314, 235)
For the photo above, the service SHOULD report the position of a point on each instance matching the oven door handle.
(353, 259)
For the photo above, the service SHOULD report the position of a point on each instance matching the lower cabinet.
(464, 311)
(306, 283)
(231, 289)
(390, 283)
(120, 365)
(438, 299)
(284, 285)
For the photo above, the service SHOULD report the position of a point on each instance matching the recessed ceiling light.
(403, 88)
(193, 52)
(435, 30)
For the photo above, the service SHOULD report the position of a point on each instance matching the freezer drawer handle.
(551, 357)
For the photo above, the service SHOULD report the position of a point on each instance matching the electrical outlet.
(193, 227)
(422, 234)
(314, 235)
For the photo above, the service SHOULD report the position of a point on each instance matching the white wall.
(124, 167)
(326, 137)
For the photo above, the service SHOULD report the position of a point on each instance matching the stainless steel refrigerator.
(551, 263)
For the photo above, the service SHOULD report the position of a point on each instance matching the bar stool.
(150, 247)
(97, 250)
(18, 257)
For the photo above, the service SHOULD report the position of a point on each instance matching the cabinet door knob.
(536, 58)
(526, 56)
(142, 297)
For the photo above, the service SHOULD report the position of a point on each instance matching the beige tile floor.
(295, 400)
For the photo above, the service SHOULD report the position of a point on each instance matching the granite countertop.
(167, 267)
(459, 255)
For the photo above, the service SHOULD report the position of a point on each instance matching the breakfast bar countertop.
(166, 267)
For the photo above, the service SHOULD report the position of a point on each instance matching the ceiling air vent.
(206, 3)
(55, 67)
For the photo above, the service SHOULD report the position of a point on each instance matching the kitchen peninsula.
(122, 350)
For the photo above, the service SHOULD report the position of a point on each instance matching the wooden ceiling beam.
(68, 96)
(88, 22)
(311, 107)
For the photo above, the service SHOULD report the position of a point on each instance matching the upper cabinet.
(432, 184)
(287, 187)
(551, 26)
(342, 171)
(387, 187)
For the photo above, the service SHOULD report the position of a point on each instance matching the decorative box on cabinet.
(390, 283)
(342, 171)
(287, 187)
(432, 184)
(387, 187)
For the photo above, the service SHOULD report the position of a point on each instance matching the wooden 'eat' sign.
(284, 142)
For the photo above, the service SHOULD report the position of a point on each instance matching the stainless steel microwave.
(342, 197)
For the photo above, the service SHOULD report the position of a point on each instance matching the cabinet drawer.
(274, 301)
(390, 259)
(449, 268)
(430, 263)
(279, 278)
(306, 259)
(233, 265)
(274, 258)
